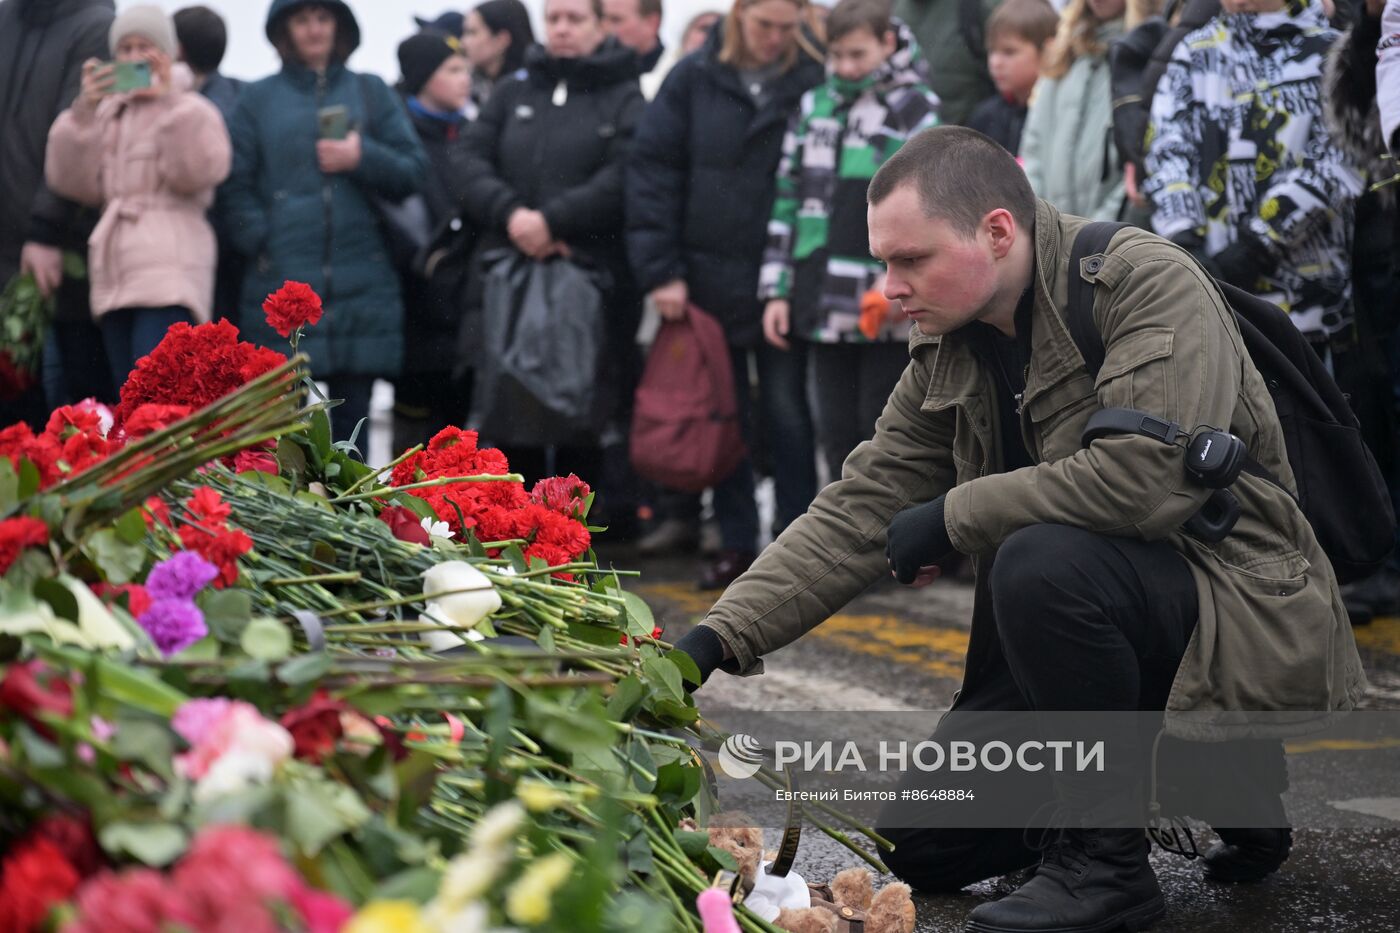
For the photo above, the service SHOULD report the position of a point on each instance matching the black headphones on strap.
(1214, 459)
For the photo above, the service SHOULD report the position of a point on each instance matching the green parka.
(1273, 633)
(947, 30)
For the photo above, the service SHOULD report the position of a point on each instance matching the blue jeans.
(130, 333)
(786, 422)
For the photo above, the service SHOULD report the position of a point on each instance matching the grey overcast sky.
(383, 25)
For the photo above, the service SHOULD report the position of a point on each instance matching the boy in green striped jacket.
(818, 279)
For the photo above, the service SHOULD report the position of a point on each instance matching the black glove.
(704, 648)
(917, 538)
(1244, 262)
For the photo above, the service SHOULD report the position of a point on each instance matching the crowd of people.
(729, 175)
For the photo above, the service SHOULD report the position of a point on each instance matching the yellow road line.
(1381, 634)
(1339, 745)
(938, 651)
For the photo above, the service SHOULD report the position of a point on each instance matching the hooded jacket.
(952, 36)
(294, 222)
(43, 44)
(701, 183)
(152, 166)
(1272, 632)
(1067, 143)
(818, 254)
(1238, 143)
(556, 140)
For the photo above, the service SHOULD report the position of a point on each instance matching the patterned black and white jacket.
(1238, 147)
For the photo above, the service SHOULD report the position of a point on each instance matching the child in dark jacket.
(818, 279)
(1016, 36)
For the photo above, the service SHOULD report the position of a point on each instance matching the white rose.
(463, 610)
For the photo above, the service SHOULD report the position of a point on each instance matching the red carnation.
(34, 878)
(18, 533)
(14, 380)
(405, 524)
(194, 366)
(315, 727)
(74, 839)
(31, 690)
(292, 306)
(255, 461)
(222, 550)
(17, 442)
(566, 495)
(208, 508)
(137, 599)
(153, 417)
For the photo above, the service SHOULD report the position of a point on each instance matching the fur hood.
(1349, 102)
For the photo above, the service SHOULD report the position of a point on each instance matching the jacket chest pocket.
(1058, 415)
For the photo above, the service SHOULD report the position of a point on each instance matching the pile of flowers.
(549, 519)
(249, 682)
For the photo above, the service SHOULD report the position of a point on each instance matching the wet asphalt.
(895, 648)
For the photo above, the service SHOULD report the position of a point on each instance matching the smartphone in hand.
(130, 76)
(333, 122)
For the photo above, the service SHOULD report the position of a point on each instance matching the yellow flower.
(527, 901)
(540, 797)
(387, 917)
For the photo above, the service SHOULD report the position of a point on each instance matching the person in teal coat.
(301, 207)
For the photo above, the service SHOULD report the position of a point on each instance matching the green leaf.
(136, 687)
(291, 459)
(74, 265)
(131, 527)
(583, 728)
(594, 634)
(419, 885)
(321, 435)
(516, 558)
(28, 478)
(316, 815)
(226, 613)
(640, 620)
(9, 485)
(304, 669)
(674, 712)
(119, 562)
(154, 844)
(664, 677)
(693, 844)
(64, 603)
(266, 640)
(147, 742)
(626, 699)
(722, 858)
(686, 664)
(417, 506)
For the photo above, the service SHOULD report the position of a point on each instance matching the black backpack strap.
(1092, 240)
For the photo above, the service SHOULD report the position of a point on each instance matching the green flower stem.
(430, 484)
(352, 576)
(387, 468)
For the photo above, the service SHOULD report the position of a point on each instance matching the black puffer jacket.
(565, 160)
(435, 294)
(43, 44)
(701, 182)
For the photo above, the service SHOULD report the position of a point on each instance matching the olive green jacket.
(1273, 633)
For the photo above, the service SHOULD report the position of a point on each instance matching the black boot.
(1247, 855)
(1089, 881)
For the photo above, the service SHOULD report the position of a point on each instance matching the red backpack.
(685, 424)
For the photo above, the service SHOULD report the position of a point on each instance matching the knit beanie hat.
(421, 55)
(146, 20)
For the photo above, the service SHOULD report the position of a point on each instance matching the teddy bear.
(834, 908)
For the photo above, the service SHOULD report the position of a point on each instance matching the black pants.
(853, 383)
(1083, 622)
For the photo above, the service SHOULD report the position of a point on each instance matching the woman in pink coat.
(151, 158)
